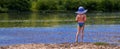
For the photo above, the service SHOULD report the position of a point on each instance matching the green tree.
(18, 5)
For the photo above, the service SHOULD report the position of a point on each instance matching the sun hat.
(81, 10)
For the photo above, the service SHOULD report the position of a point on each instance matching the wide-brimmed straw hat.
(81, 10)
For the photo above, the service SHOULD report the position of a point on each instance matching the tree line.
(66, 5)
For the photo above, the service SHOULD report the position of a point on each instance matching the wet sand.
(61, 46)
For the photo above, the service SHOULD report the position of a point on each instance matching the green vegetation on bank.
(101, 43)
(60, 5)
(15, 5)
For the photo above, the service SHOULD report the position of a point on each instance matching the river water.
(26, 28)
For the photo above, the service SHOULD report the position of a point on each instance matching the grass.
(101, 43)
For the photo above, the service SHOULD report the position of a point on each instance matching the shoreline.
(62, 46)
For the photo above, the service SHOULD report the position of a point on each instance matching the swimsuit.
(81, 19)
(81, 24)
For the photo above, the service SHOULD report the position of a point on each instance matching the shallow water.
(25, 28)
(59, 34)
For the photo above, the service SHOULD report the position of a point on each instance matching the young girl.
(80, 18)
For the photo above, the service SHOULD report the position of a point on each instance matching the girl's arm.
(84, 17)
(76, 18)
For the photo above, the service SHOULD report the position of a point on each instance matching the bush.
(47, 5)
(110, 5)
(17, 5)
(72, 5)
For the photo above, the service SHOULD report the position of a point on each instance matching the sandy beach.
(61, 46)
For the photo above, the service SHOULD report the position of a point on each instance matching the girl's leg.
(77, 34)
(82, 34)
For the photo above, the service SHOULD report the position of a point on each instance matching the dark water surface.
(25, 28)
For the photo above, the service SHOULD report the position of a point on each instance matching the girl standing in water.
(80, 18)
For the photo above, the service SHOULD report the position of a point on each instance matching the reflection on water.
(51, 19)
(34, 19)
(23, 28)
